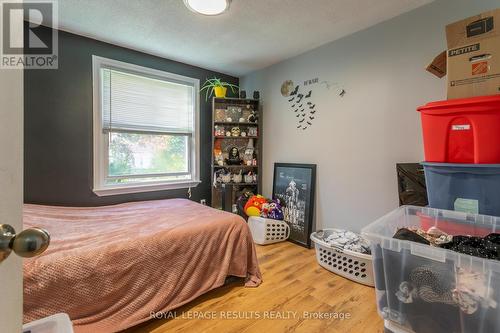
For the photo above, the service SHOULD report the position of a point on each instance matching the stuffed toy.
(253, 206)
(264, 210)
(242, 201)
(272, 210)
(275, 210)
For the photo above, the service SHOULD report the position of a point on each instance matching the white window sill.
(116, 190)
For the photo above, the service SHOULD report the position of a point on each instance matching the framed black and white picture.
(294, 185)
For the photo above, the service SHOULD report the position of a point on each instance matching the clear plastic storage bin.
(428, 289)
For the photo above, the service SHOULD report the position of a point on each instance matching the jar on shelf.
(252, 131)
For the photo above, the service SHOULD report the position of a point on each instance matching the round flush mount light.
(208, 7)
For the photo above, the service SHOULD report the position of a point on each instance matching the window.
(145, 129)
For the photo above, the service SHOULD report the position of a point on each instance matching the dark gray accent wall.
(58, 125)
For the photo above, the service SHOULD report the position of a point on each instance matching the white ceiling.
(252, 35)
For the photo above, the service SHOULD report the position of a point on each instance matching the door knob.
(27, 244)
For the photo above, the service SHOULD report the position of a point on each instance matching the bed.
(109, 267)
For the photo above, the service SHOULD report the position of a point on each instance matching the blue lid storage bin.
(472, 188)
(426, 289)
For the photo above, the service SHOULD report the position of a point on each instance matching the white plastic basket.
(267, 231)
(349, 264)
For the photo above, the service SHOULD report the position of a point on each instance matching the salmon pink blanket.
(109, 267)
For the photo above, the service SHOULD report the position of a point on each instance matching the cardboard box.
(473, 56)
(438, 65)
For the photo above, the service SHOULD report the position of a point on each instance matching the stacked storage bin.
(430, 289)
(462, 153)
(426, 289)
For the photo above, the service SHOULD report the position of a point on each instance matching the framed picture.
(294, 185)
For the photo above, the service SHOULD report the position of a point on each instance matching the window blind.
(139, 103)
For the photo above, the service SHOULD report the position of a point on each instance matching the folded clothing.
(346, 240)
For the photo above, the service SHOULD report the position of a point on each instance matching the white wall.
(357, 140)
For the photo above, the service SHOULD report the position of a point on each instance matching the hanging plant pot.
(220, 92)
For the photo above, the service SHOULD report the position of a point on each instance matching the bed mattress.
(109, 267)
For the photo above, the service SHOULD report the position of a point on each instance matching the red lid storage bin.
(465, 130)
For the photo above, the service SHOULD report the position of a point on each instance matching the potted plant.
(217, 87)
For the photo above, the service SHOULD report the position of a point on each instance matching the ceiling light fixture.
(208, 7)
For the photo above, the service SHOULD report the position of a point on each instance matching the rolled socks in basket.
(346, 240)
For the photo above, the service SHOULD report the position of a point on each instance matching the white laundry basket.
(349, 264)
(268, 231)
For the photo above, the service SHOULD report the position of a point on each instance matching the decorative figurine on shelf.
(254, 205)
(243, 134)
(253, 118)
(219, 159)
(234, 156)
(242, 120)
(243, 94)
(248, 154)
(235, 131)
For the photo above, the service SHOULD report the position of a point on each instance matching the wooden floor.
(293, 284)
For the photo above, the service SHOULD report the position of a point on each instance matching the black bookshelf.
(229, 113)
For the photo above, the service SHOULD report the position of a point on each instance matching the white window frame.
(101, 145)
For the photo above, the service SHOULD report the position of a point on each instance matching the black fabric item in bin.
(487, 247)
(406, 234)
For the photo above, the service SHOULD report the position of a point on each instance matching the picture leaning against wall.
(294, 186)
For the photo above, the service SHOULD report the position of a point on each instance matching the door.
(11, 194)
